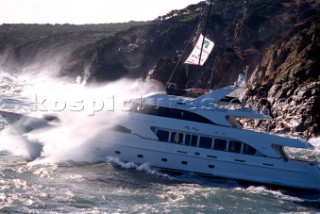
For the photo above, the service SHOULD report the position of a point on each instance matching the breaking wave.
(84, 113)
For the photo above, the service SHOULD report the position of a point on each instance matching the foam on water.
(316, 143)
(84, 112)
(142, 168)
(17, 145)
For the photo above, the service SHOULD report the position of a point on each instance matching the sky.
(86, 11)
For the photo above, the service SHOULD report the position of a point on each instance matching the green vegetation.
(13, 35)
(265, 7)
(188, 18)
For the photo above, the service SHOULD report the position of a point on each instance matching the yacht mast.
(204, 36)
(205, 31)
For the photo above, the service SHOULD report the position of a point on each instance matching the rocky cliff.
(288, 76)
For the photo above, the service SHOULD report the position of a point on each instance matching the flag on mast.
(195, 54)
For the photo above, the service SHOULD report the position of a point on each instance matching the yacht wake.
(312, 199)
(142, 168)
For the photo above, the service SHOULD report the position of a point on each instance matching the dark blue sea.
(57, 172)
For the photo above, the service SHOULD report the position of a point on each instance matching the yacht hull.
(136, 142)
(179, 158)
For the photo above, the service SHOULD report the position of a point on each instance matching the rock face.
(289, 77)
(294, 106)
(135, 52)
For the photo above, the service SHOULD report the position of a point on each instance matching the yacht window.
(248, 150)
(187, 139)
(174, 113)
(205, 142)
(191, 140)
(163, 135)
(234, 146)
(176, 137)
(220, 144)
(279, 149)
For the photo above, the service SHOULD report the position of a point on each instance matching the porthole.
(164, 159)
(117, 152)
(210, 166)
(184, 162)
(140, 156)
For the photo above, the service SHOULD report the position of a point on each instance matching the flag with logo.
(195, 54)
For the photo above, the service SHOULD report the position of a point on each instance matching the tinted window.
(187, 139)
(163, 135)
(170, 112)
(220, 144)
(176, 137)
(249, 150)
(194, 140)
(191, 140)
(205, 142)
(234, 146)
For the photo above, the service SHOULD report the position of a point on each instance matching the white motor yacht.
(200, 135)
